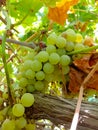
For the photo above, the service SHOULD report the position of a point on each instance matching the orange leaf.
(59, 13)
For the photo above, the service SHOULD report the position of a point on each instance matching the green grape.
(65, 60)
(79, 38)
(61, 51)
(70, 46)
(52, 39)
(30, 56)
(27, 99)
(61, 42)
(49, 77)
(50, 49)
(37, 65)
(54, 58)
(30, 88)
(30, 74)
(79, 47)
(21, 122)
(40, 75)
(23, 82)
(27, 65)
(8, 125)
(48, 68)
(43, 56)
(65, 69)
(39, 85)
(18, 110)
(31, 81)
(30, 126)
(70, 35)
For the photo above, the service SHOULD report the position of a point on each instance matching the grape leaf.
(59, 13)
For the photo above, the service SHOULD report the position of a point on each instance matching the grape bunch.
(50, 64)
(39, 72)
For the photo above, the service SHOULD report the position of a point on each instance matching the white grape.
(30, 126)
(54, 58)
(65, 60)
(61, 42)
(50, 49)
(27, 99)
(52, 39)
(18, 110)
(39, 85)
(43, 56)
(48, 68)
(40, 75)
(30, 74)
(37, 65)
(8, 124)
(21, 122)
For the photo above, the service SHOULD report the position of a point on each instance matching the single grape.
(79, 38)
(65, 69)
(61, 42)
(48, 68)
(37, 65)
(61, 51)
(40, 75)
(30, 126)
(43, 56)
(21, 122)
(30, 88)
(39, 85)
(79, 47)
(70, 35)
(52, 39)
(50, 49)
(27, 99)
(49, 77)
(70, 46)
(5, 95)
(27, 65)
(65, 60)
(8, 124)
(54, 58)
(18, 110)
(30, 56)
(30, 74)
(23, 82)
(31, 81)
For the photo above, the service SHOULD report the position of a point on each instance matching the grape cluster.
(38, 72)
(51, 63)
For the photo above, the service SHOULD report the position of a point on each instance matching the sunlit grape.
(52, 39)
(21, 122)
(39, 85)
(65, 60)
(8, 125)
(27, 99)
(36, 66)
(79, 38)
(50, 49)
(30, 74)
(23, 82)
(61, 42)
(40, 75)
(18, 110)
(54, 58)
(48, 68)
(43, 56)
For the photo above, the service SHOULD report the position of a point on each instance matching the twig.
(83, 50)
(11, 57)
(30, 44)
(76, 114)
(5, 67)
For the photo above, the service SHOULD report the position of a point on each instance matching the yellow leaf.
(59, 13)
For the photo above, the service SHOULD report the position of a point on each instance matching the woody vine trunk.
(60, 111)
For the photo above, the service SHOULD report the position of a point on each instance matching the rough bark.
(60, 111)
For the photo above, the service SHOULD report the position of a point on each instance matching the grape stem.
(30, 44)
(85, 50)
(77, 110)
